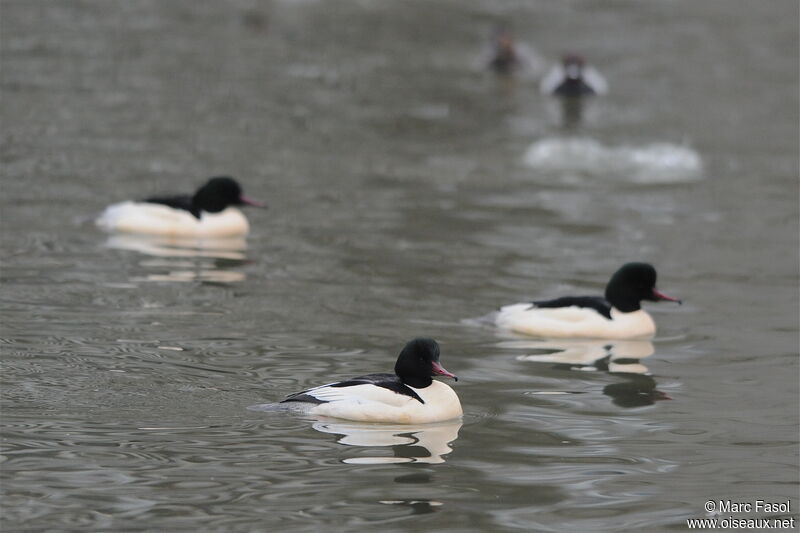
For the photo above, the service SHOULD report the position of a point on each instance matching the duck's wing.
(361, 387)
(595, 80)
(552, 79)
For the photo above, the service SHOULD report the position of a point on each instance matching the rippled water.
(410, 194)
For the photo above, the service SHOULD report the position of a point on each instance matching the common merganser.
(409, 396)
(617, 315)
(209, 212)
(573, 78)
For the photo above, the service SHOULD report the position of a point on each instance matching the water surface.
(410, 193)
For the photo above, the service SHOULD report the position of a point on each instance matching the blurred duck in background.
(505, 57)
(573, 78)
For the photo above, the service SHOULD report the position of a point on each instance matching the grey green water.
(410, 193)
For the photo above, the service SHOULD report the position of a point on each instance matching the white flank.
(369, 403)
(574, 322)
(156, 219)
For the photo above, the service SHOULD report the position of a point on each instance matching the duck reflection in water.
(638, 391)
(185, 258)
(424, 443)
(571, 112)
(618, 357)
(416, 506)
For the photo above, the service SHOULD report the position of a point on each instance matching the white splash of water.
(652, 163)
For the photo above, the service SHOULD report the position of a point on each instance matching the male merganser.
(409, 396)
(207, 213)
(573, 78)
(617, 315)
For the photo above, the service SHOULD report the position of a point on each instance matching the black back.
(386, 381)
(183, 201)
(626, 289)
(216, 195)
(573, 87)
(598, 303)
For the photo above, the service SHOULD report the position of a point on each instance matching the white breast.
(574, 322)
(157, 219)
(369, 403)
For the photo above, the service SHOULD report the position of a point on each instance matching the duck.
(506, 57)
(573, 78)
(408, 396)
(616, 315)
(209, 212)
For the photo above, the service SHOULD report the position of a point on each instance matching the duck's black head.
(219, 193)
(631, 284)
(418, 362)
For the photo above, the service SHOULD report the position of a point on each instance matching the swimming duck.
(505, 57)
(573, 78)
(617, 315)
(409, 396)
(209, 212)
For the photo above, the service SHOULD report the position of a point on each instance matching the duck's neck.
(622, 299)
(417, 382)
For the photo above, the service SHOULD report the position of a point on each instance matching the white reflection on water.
(198, 254)
(417, 506)
(600, 354)
(618, 357)
(171, 246)
(201, 274)
(427, 443)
